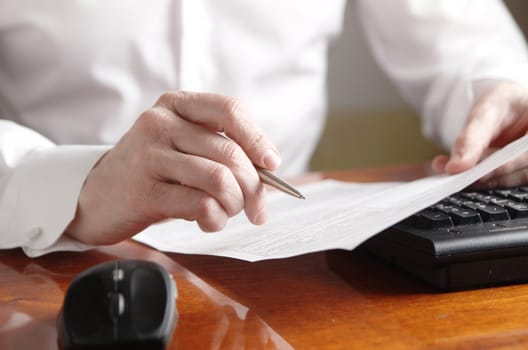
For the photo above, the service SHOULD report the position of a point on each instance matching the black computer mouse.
(122, 304)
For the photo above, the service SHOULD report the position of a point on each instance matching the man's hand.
(499, 117)
(175, 163)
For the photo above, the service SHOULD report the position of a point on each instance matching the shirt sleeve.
(443, 54)
(39, 186)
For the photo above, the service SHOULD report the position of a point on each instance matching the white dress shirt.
(74, 75)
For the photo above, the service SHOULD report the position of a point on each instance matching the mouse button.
(118, 274)
(85, 309)
(117, 305)
(149, 299)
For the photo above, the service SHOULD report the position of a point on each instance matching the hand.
(499, 117)
(175, 163)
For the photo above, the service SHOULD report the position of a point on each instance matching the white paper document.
(334, 215)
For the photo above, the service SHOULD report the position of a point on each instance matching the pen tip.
(301, 196)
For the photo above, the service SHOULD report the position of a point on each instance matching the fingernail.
(261, 217)
(458, 162)
(272, 160)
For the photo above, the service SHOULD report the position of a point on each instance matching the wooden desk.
(327, 300)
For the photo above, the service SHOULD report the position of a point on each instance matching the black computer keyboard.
(467, 208)
(468, 240)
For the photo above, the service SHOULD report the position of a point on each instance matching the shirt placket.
(194, 45)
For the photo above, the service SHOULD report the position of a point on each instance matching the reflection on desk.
(32, 292)
(326, 300)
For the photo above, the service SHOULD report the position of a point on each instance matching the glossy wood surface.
(326, 300)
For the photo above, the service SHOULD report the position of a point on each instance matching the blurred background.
(368, 123)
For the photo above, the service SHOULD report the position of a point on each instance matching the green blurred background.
(368, 123)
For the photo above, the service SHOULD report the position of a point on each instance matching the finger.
(483, 121)
(182, 202)
(224, 114)
(439, 162)
(223, 151)
(203, 174)
(517, 124)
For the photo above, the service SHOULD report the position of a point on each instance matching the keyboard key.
(456, 200)
(488, 212)
(498, 200)
(432, 219)
(444, 207)
(502, 193)
(486, 198)
(461, 216)
(469, 195)
(518, 195)
(516, 210)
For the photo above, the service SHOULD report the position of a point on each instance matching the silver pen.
(273, 180)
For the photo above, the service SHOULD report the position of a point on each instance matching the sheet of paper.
(334, 215)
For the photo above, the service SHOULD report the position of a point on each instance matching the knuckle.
(170, 98)
(146, 117)
(257, 141)
(157, 123)
(149, 121)
(164, 98)
(231, 152)
(206, 209)
(219, 176)
(232, 107)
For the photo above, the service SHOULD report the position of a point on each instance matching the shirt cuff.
(515, 73)
(42, 195)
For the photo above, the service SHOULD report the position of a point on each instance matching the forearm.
(443, 55)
